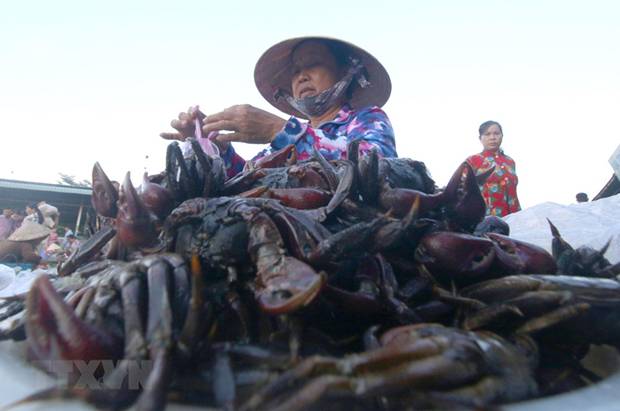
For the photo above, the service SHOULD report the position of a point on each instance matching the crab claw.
(520, 257)
(156, 198)
(287, 286)
(284, 283)
(105, 195)
(54, 332)
(284, 157)
(464, 197)
(461, 257)
(135, 223)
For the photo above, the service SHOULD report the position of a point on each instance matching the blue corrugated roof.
(58, 188)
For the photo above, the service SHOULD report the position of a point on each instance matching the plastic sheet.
(15, 282)
(591, 224)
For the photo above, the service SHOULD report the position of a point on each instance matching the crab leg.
(195, 323)
(356, 238)
(87, 251)
(158, 336)
(119, 394)
(369, 167)
(204, 170)
(328, 170)
(177, 174)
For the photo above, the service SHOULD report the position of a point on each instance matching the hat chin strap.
(315, 106)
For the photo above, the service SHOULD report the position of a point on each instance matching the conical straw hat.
(273, 71)
(30, 231)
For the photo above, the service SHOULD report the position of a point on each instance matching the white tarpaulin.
(580, 224)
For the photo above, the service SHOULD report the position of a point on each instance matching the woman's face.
(492, 138)
(314, 69)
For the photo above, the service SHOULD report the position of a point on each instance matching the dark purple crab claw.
(464, 199)
(286, 156)
(520, 257)
(463, 258)
(105, 195)
(283, 283)
(400, 200)
(156, 198)
(135, 223)
(288, 286)
(54, 332)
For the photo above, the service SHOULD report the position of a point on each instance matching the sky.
(85, 81)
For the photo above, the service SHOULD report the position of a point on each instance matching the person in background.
(18, 218)
(582, 198)
(500, 188)
(65, 238)
(21, 245)
(33, 214)
(337, 86)
(51, 247)
(50, 214)
(72, 244)
(7, 223)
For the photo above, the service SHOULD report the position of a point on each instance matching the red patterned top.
(500, 189)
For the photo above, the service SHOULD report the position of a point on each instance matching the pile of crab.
(352, 284)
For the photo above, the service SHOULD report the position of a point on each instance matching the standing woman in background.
(500, 188)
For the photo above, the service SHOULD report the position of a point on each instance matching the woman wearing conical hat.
(21, 245)
(336, 86)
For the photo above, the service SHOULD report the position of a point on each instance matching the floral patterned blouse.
(331, 138)
(500, 188)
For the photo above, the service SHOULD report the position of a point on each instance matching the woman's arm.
(511, 188)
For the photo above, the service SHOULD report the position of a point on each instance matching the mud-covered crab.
(233, 236)
(422, 365)
(146, 309)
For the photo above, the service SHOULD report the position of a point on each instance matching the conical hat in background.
(29, 231)
(273, 71)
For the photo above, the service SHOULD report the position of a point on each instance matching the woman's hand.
(184, 124)
(248, 125)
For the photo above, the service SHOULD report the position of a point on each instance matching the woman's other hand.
(247, 125)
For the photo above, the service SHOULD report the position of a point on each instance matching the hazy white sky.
(85, 81)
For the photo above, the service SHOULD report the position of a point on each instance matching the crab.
(149, 309)
(583, 261)
(423, 365)
(396, 183)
